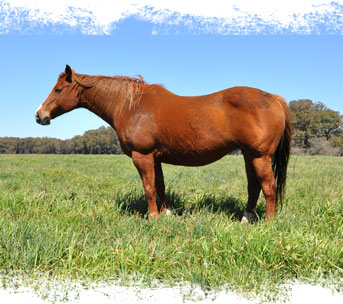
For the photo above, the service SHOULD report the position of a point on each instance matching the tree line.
(316, 130)
(99, 141)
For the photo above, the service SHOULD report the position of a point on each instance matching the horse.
(155, 126)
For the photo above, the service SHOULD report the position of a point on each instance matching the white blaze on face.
(39, 108)
(42, 114)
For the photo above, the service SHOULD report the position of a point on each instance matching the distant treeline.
(100, 141)
(316, 130)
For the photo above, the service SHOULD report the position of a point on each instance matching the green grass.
(82, 217)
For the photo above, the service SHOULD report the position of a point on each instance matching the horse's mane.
(112, 89)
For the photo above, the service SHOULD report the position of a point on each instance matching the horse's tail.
(281, 156)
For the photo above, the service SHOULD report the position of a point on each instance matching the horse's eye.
(58, 90)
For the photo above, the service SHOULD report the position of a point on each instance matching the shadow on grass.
(232, 207)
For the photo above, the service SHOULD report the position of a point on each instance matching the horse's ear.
(68, 71)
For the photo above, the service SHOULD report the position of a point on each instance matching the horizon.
(293, 51)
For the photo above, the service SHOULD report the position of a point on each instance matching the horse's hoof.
(248, 217)
(153, 216)
(168, 212)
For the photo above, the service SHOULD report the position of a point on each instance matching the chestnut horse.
(155, 126)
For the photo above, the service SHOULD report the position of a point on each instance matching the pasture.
(83, 217)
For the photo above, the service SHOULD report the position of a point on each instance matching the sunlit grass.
(82, 217)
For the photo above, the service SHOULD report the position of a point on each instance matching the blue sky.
(190, 57)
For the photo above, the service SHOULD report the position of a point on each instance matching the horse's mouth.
(45, 121)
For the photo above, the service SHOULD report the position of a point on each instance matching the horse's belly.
(194, 158)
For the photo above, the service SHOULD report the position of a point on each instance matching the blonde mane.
(111, 90)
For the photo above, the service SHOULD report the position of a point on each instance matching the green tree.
(315, 124)
(302, 117)
(328, 122)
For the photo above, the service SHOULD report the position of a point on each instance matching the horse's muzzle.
(42, 120)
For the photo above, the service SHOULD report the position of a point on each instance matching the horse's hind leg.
(264, 172)
(160, 188)
(145, 166)
(254, 189)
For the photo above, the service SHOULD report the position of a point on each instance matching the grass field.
(82, 217)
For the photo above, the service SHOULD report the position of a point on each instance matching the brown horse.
(155, 126)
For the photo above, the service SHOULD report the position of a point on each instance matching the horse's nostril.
(37, 117)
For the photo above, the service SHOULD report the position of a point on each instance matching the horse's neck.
(109, 97)
(102, 106)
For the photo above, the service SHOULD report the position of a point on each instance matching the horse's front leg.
(160, 188)
(145, 164)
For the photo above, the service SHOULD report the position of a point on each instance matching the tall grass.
(83, 217)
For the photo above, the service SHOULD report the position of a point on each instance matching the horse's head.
(64, 97)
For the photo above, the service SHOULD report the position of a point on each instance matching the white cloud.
(238, 16)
